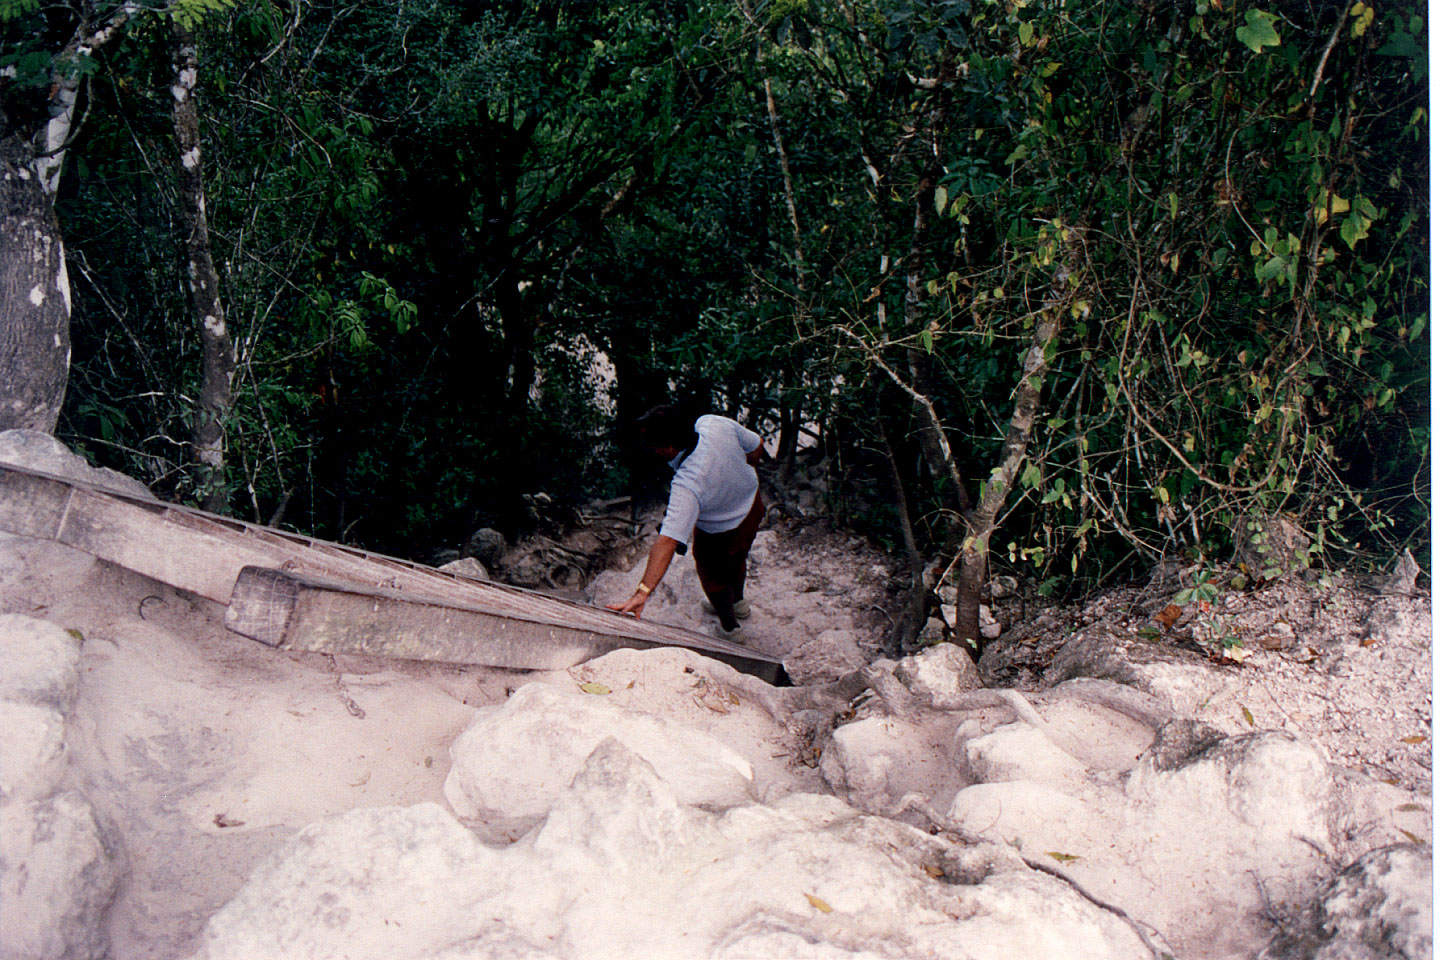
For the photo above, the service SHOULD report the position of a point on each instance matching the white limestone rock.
(467, 567)
(1198, 812)
(1017, 751)
(1385, 902)
(515, 760)
(939, 675)
(618, 815)
(56, 879)
(41, 452)
(32, 751)
(860, 759)
(38, 662)
(622, 868)
(1271, 785)
(379, 882)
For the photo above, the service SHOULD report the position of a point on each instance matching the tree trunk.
(34, 297)
(917, 600)
(34, 287)
(981, 521)
(217, 354)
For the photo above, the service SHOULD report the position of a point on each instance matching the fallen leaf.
(935, 872)
(76, 634)
(1393, 781)
(1369, 641)
(1238, 654)
(1414, 739)
(1062, 857)
(1412, 837)
(1167, 617)
(223, 821)
(819, 904)
(596, 688)
(1249, 717)
(1410, 808)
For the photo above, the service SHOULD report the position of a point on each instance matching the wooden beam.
(296, 612)
(207, 554)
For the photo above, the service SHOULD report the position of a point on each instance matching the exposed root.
(1147, 934)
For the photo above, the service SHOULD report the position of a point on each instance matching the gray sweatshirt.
(714, 487)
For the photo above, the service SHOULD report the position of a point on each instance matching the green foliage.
(433, 215)
(1203, 590)
(14, 9)
(190, 13)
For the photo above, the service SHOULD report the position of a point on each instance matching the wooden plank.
(206, 554)
(141, 537)
(32, 504)
(292, 611)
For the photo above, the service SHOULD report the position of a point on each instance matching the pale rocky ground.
(169, 789)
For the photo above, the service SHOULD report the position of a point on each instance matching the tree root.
(1141, 931)
(916, 803)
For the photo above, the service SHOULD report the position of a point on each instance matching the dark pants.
(720, 559)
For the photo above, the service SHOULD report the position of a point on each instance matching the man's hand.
(755, 456)
(662, 551)
(634, 605)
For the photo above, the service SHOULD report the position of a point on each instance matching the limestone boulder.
(32, 751)
(515, 760)
(57, 876)
(939, 675)
(41, 452)
(41, 662)
(621, 867)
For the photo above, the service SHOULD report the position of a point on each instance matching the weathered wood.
(295, 612)
(32, 505)
(470, 621)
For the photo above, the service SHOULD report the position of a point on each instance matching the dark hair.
(667, 426)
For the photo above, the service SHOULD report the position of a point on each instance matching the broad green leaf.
(595, 688)
(1354, 228)
(1258, 31)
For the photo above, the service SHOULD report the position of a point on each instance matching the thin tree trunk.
(217, 353)
(933, 443)
(980, 522)
(916, 608)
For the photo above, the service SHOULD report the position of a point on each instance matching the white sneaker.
(742, 608)
(734, 636)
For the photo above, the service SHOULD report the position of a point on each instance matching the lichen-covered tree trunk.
(217, 353)
(34, 286)
(34, 297)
